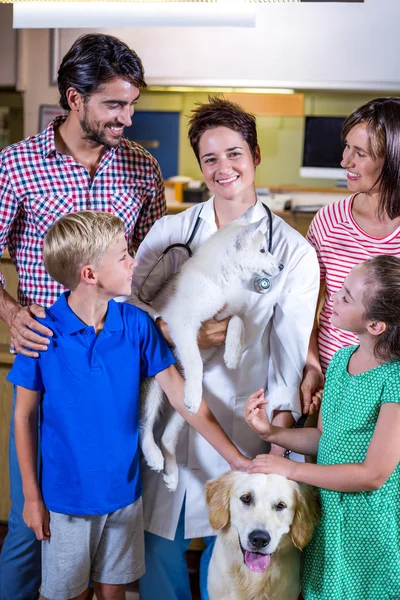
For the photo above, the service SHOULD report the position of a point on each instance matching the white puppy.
(210, 283)
(262, 522)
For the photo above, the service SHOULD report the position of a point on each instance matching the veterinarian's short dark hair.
(94, 60)
(218, 112)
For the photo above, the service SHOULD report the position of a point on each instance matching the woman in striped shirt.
(363, 225)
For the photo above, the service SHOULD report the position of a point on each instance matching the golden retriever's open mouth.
(255, 561)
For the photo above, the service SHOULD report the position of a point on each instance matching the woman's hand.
(268, 464)
(212, 333)
(311, 389)
(256, 416)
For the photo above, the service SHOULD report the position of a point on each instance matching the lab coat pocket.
(248, 442)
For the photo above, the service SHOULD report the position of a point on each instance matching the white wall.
(8, 47)
(306, 46)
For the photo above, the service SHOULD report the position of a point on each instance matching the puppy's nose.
(259, 538)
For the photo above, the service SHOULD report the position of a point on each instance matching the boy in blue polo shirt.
(87, 507)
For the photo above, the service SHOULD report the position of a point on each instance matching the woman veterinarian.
(278, 324)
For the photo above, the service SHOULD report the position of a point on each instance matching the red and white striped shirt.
(38, 185)
(340, 245)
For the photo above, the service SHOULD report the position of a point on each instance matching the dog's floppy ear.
(217, 497)
(307, 515)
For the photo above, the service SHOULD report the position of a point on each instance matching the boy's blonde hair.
(78, 239)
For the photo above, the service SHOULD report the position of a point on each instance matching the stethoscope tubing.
(197, 224)
(259, 282)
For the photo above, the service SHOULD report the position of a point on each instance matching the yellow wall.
(280, 138)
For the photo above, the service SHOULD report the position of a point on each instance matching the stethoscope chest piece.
(262, 285)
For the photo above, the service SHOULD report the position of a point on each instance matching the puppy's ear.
(258, 239)
(248, 230)
(307, 515)
(218, 493)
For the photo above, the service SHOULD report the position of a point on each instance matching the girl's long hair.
(381, 303)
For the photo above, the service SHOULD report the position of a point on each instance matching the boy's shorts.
(104, 548)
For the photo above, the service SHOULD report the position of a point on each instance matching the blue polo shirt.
(90, 405)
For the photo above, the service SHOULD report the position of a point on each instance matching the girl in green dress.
(355, 552)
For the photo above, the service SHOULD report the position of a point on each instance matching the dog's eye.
(280, 506)
(246, 498)
(262, 250)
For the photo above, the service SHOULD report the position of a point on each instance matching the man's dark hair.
(95, 59)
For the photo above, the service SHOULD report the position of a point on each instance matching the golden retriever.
(263, 521)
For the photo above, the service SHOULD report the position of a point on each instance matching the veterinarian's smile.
(228, 180)
(256, 561)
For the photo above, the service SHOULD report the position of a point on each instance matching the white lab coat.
(277, 325)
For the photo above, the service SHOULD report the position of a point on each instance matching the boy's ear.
(257, 156)
(376, 327)
(88, 274)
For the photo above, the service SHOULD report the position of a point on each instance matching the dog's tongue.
(256, 562)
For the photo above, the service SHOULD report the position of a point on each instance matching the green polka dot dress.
(355, 552)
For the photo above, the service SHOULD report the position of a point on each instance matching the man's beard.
(97, 133)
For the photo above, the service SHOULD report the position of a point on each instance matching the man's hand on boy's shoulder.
(26, 332)
(37, 518)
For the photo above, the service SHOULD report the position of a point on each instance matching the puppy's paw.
(192, 398)
(234, 342)
(171, 480)
(192, 403)
(154, 458)
(232, 356)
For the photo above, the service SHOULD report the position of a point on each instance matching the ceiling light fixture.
(218, 90)
(57, 15)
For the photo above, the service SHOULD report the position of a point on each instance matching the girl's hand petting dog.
(256, 416)
(240, 464)
(268, 464)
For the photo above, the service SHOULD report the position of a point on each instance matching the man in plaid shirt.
(79, 162)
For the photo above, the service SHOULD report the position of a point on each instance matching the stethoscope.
(262, 285)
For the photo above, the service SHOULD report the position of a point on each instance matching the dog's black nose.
(259, 538)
